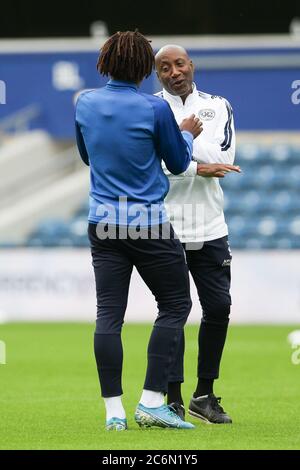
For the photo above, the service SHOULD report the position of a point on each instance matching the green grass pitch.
(50, 396)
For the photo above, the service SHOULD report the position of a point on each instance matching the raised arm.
(174, 146)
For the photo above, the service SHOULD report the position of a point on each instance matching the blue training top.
(123, 135)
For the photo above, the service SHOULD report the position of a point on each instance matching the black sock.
(204, 387)
(174, 393)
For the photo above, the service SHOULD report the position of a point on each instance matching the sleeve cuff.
(192, 169)
(187, 136)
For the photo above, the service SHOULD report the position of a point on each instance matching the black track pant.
(210, 269)
(161, 263)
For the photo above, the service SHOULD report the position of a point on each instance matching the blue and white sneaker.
(163, 417)
(116, 424)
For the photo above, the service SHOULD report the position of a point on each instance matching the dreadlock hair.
(126, 56)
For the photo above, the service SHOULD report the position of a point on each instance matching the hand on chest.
(206, 114)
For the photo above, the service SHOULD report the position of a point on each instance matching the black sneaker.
(208, 409)
(178, 409)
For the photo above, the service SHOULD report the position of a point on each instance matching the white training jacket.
(195, 203)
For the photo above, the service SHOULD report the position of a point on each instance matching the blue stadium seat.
(232, 203)
(271, 227)
(237, 182)
(286, 202)
(78, 226)
(51, 232)
(240, 226)
(284, 243)
(281, 153)
(277, 203)
(236, 242)
(266, 177)
(294, 227)
(261, 202)
(83, 210)
(247, 202)
(251, 153)
(51, 227)
(7, 244)
(78, 231)
(285, 154)
(257, 243)
(293, 177)
(295, 154)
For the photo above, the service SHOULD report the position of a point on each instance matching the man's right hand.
(193, 125)
(216, 170)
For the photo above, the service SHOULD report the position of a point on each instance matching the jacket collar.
(121, 84)
(177, 100)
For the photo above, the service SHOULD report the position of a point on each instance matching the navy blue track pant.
(210, 269)
(161, 263)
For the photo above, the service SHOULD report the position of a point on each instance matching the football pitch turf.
(50, 396)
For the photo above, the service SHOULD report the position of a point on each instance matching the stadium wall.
(256, 74)
(58, 285)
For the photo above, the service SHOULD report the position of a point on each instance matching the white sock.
(114, 408)
(152, 399)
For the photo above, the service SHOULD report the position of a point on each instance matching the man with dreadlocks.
(123, 135)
